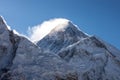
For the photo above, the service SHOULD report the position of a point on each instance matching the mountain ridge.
(66, 53)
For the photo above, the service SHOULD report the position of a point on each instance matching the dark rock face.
(64, 54)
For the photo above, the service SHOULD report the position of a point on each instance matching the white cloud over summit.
(36, 33)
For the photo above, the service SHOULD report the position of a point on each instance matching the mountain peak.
(67, 27)
(47, 27)
(65, 53)
(3, 25)
(2, 20)
(63, 34)
(61, 23)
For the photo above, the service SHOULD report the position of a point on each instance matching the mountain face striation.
(66, 53)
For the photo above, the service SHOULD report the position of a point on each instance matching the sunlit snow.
(38, 32)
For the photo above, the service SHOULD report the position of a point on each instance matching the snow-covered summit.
(78, 56)
(60, 24)
(47, 27)
(40, 31)
(3, 25)
(1, 18)
(63, 34)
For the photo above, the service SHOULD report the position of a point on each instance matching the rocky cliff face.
(64, 54)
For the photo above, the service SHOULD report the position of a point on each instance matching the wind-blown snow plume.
(38, 32)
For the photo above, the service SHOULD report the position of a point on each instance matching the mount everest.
(65, 53)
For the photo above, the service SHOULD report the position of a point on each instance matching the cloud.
(36, 33)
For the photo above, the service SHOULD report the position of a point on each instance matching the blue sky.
(98, 17)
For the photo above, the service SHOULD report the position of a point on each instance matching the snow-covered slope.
(33, 63)
(8, 46)
(90, 56)
(93, 58)
(61, 36)
(20, 59)
(66, 53)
